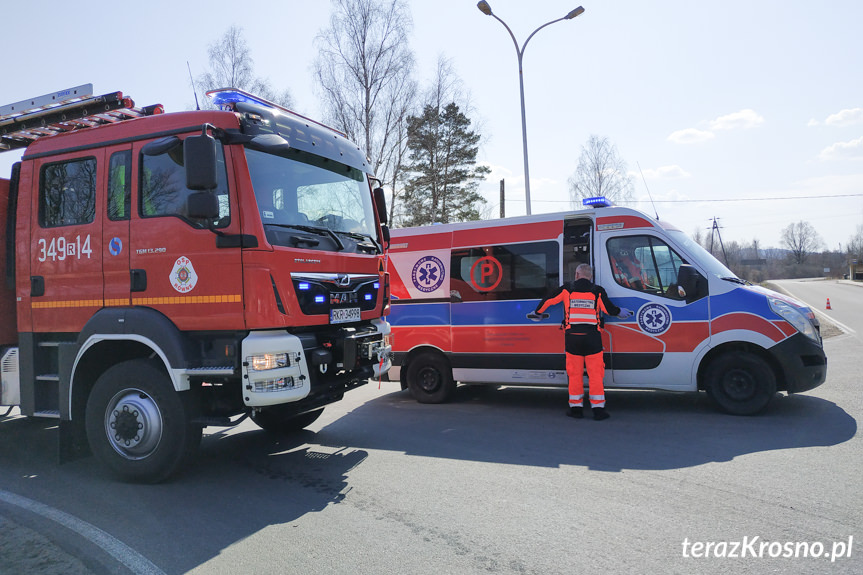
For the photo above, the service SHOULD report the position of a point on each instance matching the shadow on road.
(648, 429)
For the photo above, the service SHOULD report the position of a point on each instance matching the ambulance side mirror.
(690, 283)
(199, 156)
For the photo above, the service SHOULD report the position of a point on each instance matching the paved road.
(498, 481)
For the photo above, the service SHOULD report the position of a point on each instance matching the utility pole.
(715, 231)
(502, 200)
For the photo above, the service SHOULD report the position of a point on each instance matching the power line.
(715, 200)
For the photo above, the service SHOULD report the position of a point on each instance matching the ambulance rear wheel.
(740, 383)
(429, 378)
(138, 425)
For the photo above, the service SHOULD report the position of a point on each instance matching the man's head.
(584, 271)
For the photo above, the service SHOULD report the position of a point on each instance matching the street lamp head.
(577, 12)
(485, 8)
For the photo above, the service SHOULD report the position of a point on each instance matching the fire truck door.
(180, 267)
(66, 261)
(115, 232)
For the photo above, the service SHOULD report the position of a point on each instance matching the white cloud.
(690, 136)
(852, 150)
(666, 173)
(744, 119)
(845, 118)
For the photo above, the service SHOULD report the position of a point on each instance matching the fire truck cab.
(165, 272)
(464, 297)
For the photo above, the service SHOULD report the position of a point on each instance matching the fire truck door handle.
(138, 280)
(37, 286)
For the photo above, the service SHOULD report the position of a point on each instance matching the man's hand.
(625, 313)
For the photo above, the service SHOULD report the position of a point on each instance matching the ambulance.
(464, 296)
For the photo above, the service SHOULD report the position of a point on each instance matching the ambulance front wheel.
(429, 378)
(138, 425)
(741, 383)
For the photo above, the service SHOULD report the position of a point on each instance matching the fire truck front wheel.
(429, 378)
(138, 425)
(741, 383)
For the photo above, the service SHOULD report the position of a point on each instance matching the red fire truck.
(167, 272)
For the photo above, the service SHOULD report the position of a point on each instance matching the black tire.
(138, 425)
(740, 383)
(429, 378)
(273, 420)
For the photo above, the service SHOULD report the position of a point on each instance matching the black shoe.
(599, 413)
(575, 412)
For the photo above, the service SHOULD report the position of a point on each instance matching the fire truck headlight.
(796, 317)
(265, 361)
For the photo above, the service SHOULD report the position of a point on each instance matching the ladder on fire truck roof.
(22, 123)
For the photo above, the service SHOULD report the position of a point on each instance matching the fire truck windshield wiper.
(315, 230)
(359, 236)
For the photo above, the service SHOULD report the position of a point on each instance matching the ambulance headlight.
(801, 318)
(265, 361)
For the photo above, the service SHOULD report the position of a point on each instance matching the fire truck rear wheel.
(271, 419)
(429, 378)
(138, 425)
(741, 383)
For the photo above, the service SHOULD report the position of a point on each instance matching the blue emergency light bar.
(597, 202)
(224, 97)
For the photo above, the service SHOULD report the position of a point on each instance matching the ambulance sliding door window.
(120, 185)
(508, 272)
(67, 193)
(163, 186)
(644, 263)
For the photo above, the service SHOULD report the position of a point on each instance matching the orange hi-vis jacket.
(583, 301)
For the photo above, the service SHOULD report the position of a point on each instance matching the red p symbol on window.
(486, 273)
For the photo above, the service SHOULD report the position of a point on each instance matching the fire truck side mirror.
(380, 204)
(199, 155)
(202, 206)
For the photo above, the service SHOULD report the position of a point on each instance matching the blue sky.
(719, 104)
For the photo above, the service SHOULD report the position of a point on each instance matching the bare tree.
(801, 239)
(855, 245)
(232, 66)
(600, 172)
(364, 69)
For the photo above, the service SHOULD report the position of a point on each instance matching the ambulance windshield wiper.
(315, 230)
(737, 281)
(359, 236)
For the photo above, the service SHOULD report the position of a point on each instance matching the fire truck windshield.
(296, 190)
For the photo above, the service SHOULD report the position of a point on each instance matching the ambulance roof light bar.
(24, 122)
(225, 98)
(597, 202)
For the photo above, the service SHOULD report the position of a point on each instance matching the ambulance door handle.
(37, 286)
(138, 280)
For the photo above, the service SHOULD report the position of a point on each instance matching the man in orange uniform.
(583, 301)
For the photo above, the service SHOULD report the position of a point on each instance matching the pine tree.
(443, 175)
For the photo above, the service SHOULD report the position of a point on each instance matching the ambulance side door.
(494, 288)
(653, 348)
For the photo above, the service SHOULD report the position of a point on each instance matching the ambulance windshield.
(301, 191)
(703, 257)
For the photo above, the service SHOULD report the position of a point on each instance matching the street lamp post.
(486, 9)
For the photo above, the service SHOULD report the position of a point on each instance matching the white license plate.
(345, 315)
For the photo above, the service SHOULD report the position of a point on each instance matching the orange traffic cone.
(828, 303)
